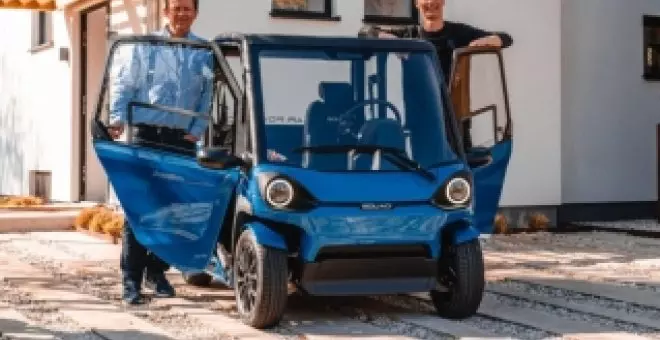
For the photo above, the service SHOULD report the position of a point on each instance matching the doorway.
(94, 45)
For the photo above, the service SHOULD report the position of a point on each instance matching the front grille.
(372, 252)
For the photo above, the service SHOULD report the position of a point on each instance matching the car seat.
(386, 132)
(324, 126)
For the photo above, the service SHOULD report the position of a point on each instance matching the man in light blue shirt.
(175, 76)
(179, 77)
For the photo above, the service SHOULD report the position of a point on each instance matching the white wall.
(609, 112)
(533, 75)
(35, 106)
(252, 16)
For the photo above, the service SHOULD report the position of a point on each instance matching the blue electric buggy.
(335, 164)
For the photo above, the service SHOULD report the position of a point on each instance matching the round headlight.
(279, 193)
(458, 191)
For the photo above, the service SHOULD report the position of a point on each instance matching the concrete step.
(26, 221)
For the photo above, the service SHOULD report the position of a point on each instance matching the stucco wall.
(35, 107)
(609, 112)
(533, 74)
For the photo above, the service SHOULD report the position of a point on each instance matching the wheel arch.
(458, 232)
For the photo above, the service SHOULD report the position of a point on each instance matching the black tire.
(266, 285)
(462, 269)
(198, 279)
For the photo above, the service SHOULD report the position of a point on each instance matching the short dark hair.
(195, 2)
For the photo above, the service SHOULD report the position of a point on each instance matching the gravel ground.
(180, 326)
(592, 242)
(480, 321)
(108, 288)
(621, 259)
(572, 315)
(43, 315)
(387, 320)
(578, 298)
(645, 225)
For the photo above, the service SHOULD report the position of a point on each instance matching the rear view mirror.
(218, 158)
(478, 157)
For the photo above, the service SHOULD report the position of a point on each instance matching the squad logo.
(377, 206)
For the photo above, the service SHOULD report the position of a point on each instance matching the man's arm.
(123, 87)
(372, 31)
(479, 37)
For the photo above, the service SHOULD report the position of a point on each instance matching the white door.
(95, 45)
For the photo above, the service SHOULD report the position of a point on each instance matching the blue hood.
(355, 187)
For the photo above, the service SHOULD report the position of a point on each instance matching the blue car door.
(480, 100)
(174, 206)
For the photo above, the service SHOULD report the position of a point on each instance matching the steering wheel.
(345, 118)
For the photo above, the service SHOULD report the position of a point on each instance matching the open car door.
(480, 100)
(174, 206)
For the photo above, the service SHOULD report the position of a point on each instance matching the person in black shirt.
(445, 36)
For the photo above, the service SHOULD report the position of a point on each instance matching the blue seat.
(385, 132)
(323, 124)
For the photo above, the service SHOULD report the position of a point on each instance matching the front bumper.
(369, 270)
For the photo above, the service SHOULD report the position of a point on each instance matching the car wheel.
(198, 279)
(462, 272)
(260, 282)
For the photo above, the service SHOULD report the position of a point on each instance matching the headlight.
(458, 191)
(279, 193)
(284, 193)
(455, 193)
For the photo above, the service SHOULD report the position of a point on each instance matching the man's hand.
(115, 131)
(489, 41)
(386, 35)
(191, 138)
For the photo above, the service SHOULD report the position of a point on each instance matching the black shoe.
(160, 285)
(132, 295)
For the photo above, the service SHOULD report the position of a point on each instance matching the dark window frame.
(652, 69)
(327, 13)
(390, 20)
(41, 31)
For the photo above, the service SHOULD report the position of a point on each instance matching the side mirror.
(478, 157)
(218, 158)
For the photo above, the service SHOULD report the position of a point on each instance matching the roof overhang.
(39, 5)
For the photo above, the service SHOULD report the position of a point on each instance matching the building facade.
(580, 78)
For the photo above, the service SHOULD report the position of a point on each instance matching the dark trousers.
(135, 258)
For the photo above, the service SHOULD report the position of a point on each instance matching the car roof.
(287, 41)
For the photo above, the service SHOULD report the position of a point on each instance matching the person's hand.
(386, 35)
(489, 41)
(191, 138)
(115, 131)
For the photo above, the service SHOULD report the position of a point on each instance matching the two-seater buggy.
(335, 164)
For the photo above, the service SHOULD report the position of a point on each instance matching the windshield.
(335, 110)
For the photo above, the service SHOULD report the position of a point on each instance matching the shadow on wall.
(12, 135)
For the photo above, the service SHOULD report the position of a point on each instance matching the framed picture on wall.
(303, 9)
